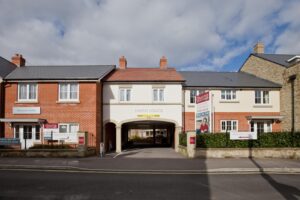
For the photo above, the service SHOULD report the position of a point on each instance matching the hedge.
(222, 140)
(182, 139)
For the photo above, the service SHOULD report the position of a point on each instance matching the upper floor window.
(27, 92)
(193, 94)
(158, 94)
(228, 95)
(125, 94)
(229, 125)
(68, 91)
(261, 97)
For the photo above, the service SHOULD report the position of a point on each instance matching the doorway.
(29, 134)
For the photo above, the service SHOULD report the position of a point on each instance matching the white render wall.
(243, 103)
(141, 106)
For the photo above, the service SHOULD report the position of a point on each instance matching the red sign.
(81, 140)
(202, 97)
(192, 140)
(51, 126)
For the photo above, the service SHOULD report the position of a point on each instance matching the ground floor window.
(229, 125)
(261, 126)
(68, 127)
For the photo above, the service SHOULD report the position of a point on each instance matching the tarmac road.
(30, 184)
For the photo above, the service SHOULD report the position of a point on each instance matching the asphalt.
(120, 164)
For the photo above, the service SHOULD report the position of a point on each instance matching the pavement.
(155, 161)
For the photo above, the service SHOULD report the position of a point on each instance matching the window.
(261, 97)
(68, 128)
(37, 132)
(193, 94)
(68, 92)
(229, 125)
(27, 92)
(27, 132)
(261, 126)
(17, 131)
(158, 94)
(125, 94)
(228, 95)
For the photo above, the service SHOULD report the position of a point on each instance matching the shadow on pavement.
(287, 191)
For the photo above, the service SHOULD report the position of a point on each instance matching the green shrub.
(49, 146)
(222, 140)
(182, 139)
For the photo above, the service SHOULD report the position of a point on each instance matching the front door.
(28, 134)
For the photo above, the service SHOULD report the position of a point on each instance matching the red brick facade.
(243, 124)
(87, 112)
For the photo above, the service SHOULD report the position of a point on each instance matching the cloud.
(193, 34)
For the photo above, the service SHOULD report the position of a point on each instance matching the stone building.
(282, 69)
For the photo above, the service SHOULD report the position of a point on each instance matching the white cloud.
(192, 34)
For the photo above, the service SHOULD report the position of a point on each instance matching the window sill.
(26, 102)
(229, 101)
(262, 106)
(68, 102)
(191, 105)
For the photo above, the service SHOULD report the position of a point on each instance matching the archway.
(148, 133)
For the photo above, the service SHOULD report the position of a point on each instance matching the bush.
(182, 139)
(222, 140)
(49, 146)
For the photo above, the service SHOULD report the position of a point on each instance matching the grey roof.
(5, 67)
(72, 72)
(280, 59)
(225, 79)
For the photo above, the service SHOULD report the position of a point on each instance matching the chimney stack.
(163, 63)
(122, 63)
(18, 60)
(259, 47)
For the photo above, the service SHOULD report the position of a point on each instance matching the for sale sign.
(203, 112)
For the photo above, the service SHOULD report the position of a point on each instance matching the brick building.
(282, 69)
(238, 101)
(65, 99)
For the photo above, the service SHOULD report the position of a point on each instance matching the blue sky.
(197, 35)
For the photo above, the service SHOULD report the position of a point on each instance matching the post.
(118, 139)
(177, 131)
(191, 144)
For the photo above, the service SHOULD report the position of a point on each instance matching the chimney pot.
(259, 47)
(122, 62)
(18, 60)
(163, 63)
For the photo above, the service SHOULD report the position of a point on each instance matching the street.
(33, 184)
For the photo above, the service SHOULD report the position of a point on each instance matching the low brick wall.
(290, 153)
(48, 153)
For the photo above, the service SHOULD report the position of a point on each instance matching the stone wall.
(264, 69)
(286, 94)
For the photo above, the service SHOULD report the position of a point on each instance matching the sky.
(198, 35)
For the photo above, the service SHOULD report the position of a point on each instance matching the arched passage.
(147, 133)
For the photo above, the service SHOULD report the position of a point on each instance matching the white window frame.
(158, 91)
(27, 92)
(262, 97)
(126, 97)
(231, 121)
(68, 126)
(266, 122)
(228, 93)
(68, 92)
(194, 97)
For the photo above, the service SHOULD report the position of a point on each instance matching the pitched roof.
(280, 59)
(225, 79)
(144, 75)
(5, 67)
(69, 72)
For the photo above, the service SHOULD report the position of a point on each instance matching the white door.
(28, 134)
